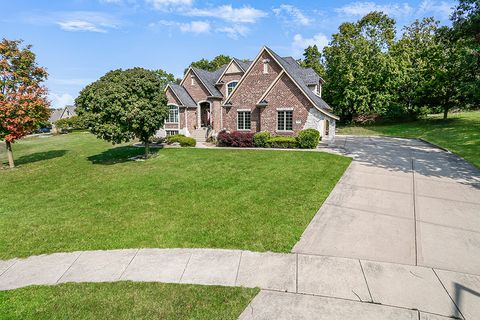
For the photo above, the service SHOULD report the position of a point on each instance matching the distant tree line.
(371, 74)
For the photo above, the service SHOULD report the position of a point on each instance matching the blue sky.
(80, 40)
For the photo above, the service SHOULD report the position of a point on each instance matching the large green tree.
(359, 69)
(23, 100)
(416, 55)
(211, 65)
(466, 32)
(123, 105)
(312, 59)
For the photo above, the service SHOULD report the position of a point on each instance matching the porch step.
(199, 134)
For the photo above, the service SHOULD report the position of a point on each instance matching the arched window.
(172, 114)
(230, 86)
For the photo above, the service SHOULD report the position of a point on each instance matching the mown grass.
(460, 133)
(74, 192)
(124, 300)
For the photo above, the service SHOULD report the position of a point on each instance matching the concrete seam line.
(238, 268)
(444, 288)
(366, 282)
(296, 272)
(128, 265)
(9, 267)
(414, 209)
(69, 266)
(186, 265)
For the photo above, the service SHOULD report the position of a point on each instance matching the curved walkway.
(398, 238)
(316, 283)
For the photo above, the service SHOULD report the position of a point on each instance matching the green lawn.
(460, 133)
(74, 192)
(124, 300)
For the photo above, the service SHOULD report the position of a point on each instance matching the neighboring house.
(270, 93)
(57, 114)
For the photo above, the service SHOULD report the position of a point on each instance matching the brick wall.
(285, 94)
(249, 91)
(172, 98)
(197, 91)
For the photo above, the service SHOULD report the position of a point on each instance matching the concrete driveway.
(402, 201)
(409, 213)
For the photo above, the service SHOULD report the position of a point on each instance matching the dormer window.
(265, 66)
(192, 77)
(230, 86)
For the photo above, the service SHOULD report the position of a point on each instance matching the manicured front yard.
(124, 300)
(460, 133)
(74, 192)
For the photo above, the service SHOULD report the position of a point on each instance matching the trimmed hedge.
(235, 139)
(308, 139)
(282, 142)
(260, 139)
(183, 140)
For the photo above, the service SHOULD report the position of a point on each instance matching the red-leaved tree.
(23, 98)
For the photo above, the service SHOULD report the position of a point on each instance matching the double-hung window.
(243, 120)
(172, 114)
(285, 120)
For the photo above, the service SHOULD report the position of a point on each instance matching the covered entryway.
(205, 114)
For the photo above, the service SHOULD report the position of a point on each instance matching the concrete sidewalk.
(317, 282)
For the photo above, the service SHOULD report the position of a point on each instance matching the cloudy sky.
(80, 40)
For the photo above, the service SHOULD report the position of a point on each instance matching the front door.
(205, 115)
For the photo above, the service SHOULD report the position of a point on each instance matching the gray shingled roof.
(243, 64)
(295, 71)
(308, 75)
(55, 115)
(209, 79)
(183, 95)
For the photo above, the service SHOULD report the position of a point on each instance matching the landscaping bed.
(74, 192)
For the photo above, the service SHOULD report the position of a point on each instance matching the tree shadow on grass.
(38, 156)
(118, 155)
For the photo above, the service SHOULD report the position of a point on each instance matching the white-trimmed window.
(285, 120)
(230, 86)
(244, 120)
(192, 79)
(171, 132)
(172, 114)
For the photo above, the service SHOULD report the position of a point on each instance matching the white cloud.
(362, 8)
(245, 14)
(442, 9)
(300, 43)
(292, 14)
(197, 27)
(165, 5)
(78, 25)
(85, 21)
(234, 32)
(61, 100)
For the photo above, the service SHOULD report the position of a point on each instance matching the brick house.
(270, 93)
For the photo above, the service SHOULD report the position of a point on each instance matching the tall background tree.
(23, 98)
(312, 58)
(359, 69)
(212, 65)
(123, 105)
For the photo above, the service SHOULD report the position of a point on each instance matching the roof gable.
(295, 73)
(181, 94)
